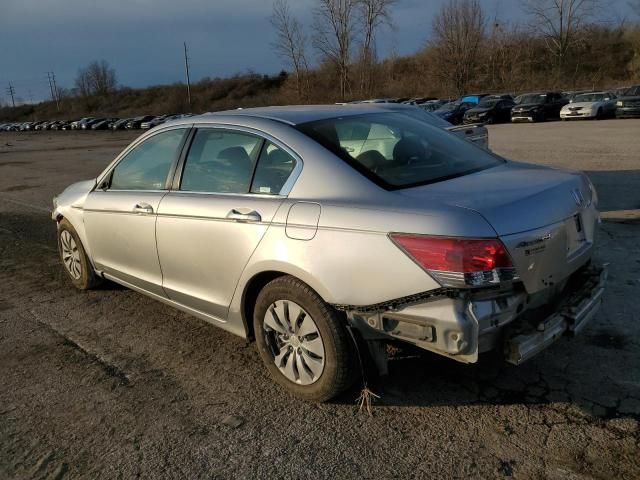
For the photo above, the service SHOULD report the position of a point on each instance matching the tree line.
(558, 44)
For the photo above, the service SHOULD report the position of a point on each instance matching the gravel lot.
(110, 384)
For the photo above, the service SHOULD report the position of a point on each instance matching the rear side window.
(399, 151)
(147, 166)
(274, 168)
(220, 161)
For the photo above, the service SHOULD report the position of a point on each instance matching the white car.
(596, 105)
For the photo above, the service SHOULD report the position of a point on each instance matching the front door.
(120, 216)
(208, 228)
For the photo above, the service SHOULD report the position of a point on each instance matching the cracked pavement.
(111, 384)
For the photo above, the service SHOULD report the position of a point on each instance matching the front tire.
(74, 258)
(303, 341)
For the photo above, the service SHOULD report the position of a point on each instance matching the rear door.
(120, 215)
(227, 190)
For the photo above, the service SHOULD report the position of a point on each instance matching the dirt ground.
(110, 384)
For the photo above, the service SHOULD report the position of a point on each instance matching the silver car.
(315, 229)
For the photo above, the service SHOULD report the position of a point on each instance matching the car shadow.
(431, 380)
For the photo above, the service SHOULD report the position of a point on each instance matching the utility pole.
(55, 91)
(52, 81)
(11, 91)
(186, 68)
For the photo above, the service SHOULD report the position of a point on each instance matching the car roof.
(296, 114)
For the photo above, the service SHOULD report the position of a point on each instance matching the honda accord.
(316, 229)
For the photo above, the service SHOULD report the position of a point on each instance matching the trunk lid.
(512, 197)
(544, 216)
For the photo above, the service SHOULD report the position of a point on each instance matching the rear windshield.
(397, 150)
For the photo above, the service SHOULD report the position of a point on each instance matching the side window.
(274, 167)
(147, 166)
(220, 161)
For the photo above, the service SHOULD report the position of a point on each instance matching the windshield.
(397, 150)
(589, 97)
(535, 98)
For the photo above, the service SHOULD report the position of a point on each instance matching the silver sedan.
(317, 229)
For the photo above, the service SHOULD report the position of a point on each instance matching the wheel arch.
(258, 281)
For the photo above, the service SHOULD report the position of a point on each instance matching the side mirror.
(606, 99)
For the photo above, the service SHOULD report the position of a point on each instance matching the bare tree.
(82, 83)
(559, 23)
(97, 78)
(458, 33)
(102, 76)
(334, 25)
(374, 14)
(290, 43)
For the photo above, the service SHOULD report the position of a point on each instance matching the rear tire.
(312, 355)
(74, 258)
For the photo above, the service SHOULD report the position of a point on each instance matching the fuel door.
(302, 220)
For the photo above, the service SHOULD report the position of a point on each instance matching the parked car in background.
(432, 105)
(628, 104)
(120, 124)
(453, 112)
(538, 107)
(419, 100)
(620, 91)
(420, 238)
(135, 123)
(146, 125)
(77, 125)
(570, 95)
(89, 124)
(159, 120)
(490, 110)
(596, 105)
(103, 124)
(473, 98)
(56, 125)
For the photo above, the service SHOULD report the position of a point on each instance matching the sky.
(143, 39)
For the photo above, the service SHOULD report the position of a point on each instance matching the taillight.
(459, 262)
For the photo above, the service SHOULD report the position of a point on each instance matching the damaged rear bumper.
(461, 324)
(572, 315)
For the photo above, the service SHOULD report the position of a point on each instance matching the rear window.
(397, 150)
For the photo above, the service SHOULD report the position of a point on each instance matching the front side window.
(399, 150)
(220, 161)
(147, 166)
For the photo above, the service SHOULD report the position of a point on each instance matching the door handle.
(252, 216)
(142, 208)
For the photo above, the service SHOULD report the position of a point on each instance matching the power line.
(186, 67)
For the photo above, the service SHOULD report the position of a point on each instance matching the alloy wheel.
(70, 255)
(295, 342)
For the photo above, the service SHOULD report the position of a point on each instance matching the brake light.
(459, 262)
